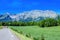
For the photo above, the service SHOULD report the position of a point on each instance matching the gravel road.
(6, 34)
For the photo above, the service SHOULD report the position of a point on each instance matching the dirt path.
(5, 34)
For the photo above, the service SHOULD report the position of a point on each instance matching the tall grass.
(37, 33)
(0, 27)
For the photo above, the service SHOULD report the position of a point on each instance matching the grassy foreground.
(0, 27)
(49, 33)
(20, 36)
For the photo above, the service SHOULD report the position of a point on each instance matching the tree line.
(42, 23)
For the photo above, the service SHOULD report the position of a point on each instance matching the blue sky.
(16, 6)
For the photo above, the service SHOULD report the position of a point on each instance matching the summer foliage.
(42, 23)
(38, 33)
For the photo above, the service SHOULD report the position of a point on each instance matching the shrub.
(36, 38)
(48, 22)
(28, 35)
(21, 32)
(42, 37)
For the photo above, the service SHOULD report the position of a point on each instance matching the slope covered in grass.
(49, 33)
(0, 27)
(20, 36)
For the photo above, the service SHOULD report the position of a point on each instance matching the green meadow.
(38, 33)
(0, 27)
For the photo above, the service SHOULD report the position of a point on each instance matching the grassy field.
(20, 36)
(0, 27)
(48, 33)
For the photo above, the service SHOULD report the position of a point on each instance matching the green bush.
(48, 22)
(21, 32)
(36, 38)
(42, 37)
(28, 35)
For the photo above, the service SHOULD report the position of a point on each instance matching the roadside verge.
(20, 36)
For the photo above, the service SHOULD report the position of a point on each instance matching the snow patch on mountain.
(37, 13)
(31, 15)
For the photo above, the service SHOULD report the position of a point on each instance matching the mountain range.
(33, 15)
